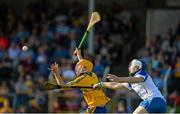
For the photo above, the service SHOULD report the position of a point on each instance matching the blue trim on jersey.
(129, 85)
(142, 73)
(156, 105)
(145, 78)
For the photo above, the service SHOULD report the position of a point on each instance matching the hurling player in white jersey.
(141, 82)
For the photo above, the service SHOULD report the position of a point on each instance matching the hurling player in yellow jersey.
(95, 99)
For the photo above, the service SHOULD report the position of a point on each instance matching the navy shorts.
(98, 109)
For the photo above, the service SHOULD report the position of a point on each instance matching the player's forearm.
(79, 56)
(129, 80)
(58, 78)
(111, 85)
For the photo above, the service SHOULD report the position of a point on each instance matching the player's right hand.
(97, 86)
(54, 68)
(112, 77)
(77, 52)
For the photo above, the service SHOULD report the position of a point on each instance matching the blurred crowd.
(53, 34)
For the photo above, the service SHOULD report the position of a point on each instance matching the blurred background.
(52, 29)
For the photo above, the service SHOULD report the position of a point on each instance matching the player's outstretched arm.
(54, 68)
(115, 78)
(109, 85)
(77, 52)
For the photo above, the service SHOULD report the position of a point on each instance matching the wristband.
(100, 83)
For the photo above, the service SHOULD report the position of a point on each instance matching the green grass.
(170, 108)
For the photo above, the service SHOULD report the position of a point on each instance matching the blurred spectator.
(42, 61)
(68, 73)
(167, 42)
(34, 106)
(28, 63)
(176, 78)
(14, 52)
(56, 107)
(42, 100)
(6, 107)
(71, 104)
(177, 68)
(98, 68)
(72, 37)
(20, 86)
(40, 80)
(6, 71)
(22, 109)
(13, 38)
(174, 54)
(46, 34)
(121, 107)
(4, 89)
(157, 79)
(156, 63)
(4, 43)
(164, 70)
(61, 27)
(21, 89)
(177, 42)
(146, 55)
(30, 85)
(60, 52)
(22, 33)
(174, 98)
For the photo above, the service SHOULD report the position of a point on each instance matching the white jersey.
(146, 89)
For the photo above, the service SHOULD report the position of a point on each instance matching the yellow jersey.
(92, 97)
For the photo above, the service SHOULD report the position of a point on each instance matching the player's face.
(132, 69)
(77, 69)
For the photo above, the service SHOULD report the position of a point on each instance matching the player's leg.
(140, 109)
(156, 105)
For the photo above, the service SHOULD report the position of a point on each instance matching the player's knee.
(139, 110)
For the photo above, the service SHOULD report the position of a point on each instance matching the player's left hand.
(77, 52)
(112, 77)
(97, 86)
(54, 68)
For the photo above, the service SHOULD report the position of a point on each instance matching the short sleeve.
(78, 80)
(142, 74)
(85, 79)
